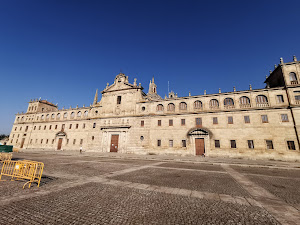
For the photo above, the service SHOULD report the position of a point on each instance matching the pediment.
(61, 134)
(198, 131)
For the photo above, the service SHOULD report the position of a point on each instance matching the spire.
(96, 98)
(294, 58)
(152, 87)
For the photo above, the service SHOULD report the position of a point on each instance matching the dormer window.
(119, 100)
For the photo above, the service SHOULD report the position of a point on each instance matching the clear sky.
(64, 50)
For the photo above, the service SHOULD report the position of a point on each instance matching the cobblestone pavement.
(111, 189)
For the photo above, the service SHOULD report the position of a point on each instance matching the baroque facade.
(261, 123)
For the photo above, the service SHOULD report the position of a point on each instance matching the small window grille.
(217, 143)
(198, 122)
(158, 143)
(142, 123)
(284, 118)
(269, 144)
(264, 118)
(170, 122)
(291, 145)
(170, 143)
(230, 120)
(94, 125)
(247, 119)
(182, 122)
(119, 100)
(215, 120)
(250, 144)
(183, 143)
(280, 99)
(159, 123)
(233, 143)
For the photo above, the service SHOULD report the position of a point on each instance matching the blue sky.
(63, 50)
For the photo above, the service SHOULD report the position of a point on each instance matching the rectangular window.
(39, 127)
(119, 100)
(67, 141)
(142, 123)
(233, 143)
(264, 119)
(284, 118)
(55, 127)
(170, 122)
(62, 127)
(26, 128)
(70, 127)
(183, 143)
(230, 120)
(250, 144)
(93, 138)
(198, 122)
(45, 127)
(215, 120)
(291, 145)
(77, 126)
(52, 141)
(74, 141)
(280, 99)
(217, 143)
(83, 126)
(81, 141)
(41, 141)
(159, 123)
(30, 141)
(15, 128)
(182, 122)
(47, 141)
(50, 127)
(170, 143)
(247, 119)
(158, 143)
(269, 144)
(94, 125)
(34, 128)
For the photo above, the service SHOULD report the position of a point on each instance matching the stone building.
(260, 123)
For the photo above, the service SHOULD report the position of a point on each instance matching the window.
(26, 128)
(197, 104)
(228, 102)
(83, 126)
(41, 141)
(46, 141)
(143, 108)
(293, 77)
(62, 127)
(81, 141)
(159, 108)
(55, 127)
(20, 128)
(58, 116)
(280, 99)
(142, 138)
(247, 119)
(159, 123)
(52, 141)
(233, 143)
(269, 144)
(284, 118)
(264, 119)
(67, 141)
(170, 143)
(297, 97)
(198, 122)
(72, 115)
(217, 143)
(79, 114)
(86, 113)
(39, 127)
(15, 128)
(50, 127)
(94, 125)
(171, 107)
(70, 127)
(65, 115)
(30, 141)
(215, 120)
(52, 116)
(182, 106)
(250, 144)
(291, 145)
(77, 126)
(42, 117)
(230, 120)
(74, 141)
(170, 122)
(158, 143)
(214, 103)
(93, 138)
(142, 123)
(119, 100)
(182, 122)
(261, 99)
(45, 127)
(183, 142)
(96, 112)
(47, 116)
(244, 100)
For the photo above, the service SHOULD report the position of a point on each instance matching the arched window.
(228, 103)
(159, 108)
(79, 114)
(58, 116)
(65, 115)
(214, 103)
(293, 78)
(18, 118)
(52, 116)
(86, 113)
(171, 107)
(197, 104)
(261, 101)
(182, 106)
(47, 116)
(72, 114)
(43, 117)
(22, 119)
(244, 100)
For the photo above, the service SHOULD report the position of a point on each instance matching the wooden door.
(114, 143)
(59, 144)
(22, 142)
(199, 143)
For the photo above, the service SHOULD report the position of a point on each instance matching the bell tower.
(152, 87)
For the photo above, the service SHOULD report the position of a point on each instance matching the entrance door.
(59, 144)
(199, 143)
(114, 143)
(22, 142)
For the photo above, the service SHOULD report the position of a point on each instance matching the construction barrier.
(6, 148)
(5, 156)
(23, 170)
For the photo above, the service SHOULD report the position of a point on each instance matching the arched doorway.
(200, 139)
(60, 136)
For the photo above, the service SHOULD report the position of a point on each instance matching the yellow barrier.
(5, 156)
(23, 170)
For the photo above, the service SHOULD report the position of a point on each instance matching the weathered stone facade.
(261, 123)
